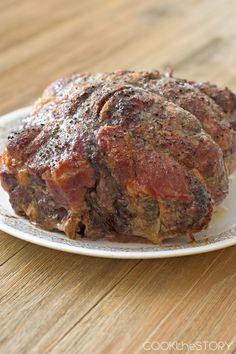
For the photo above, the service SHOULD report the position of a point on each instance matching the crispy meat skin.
(123, 156)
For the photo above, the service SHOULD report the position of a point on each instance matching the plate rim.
(218, 245)
(119, 254)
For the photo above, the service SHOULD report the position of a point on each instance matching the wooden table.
(62, 303)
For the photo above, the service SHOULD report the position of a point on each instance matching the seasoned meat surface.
(129, 156)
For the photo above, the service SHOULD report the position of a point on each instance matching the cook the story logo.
(181, 346)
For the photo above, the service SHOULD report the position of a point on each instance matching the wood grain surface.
(52, 302)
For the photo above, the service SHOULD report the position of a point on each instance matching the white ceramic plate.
(220, 234)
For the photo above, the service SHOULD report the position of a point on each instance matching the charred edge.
(106, 98)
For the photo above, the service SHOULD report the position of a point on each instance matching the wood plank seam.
(14, 254)
(163, 320)
(91, 308)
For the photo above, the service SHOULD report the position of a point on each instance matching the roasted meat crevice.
(127, 156)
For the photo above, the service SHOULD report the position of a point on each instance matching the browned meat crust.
(122, 155)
